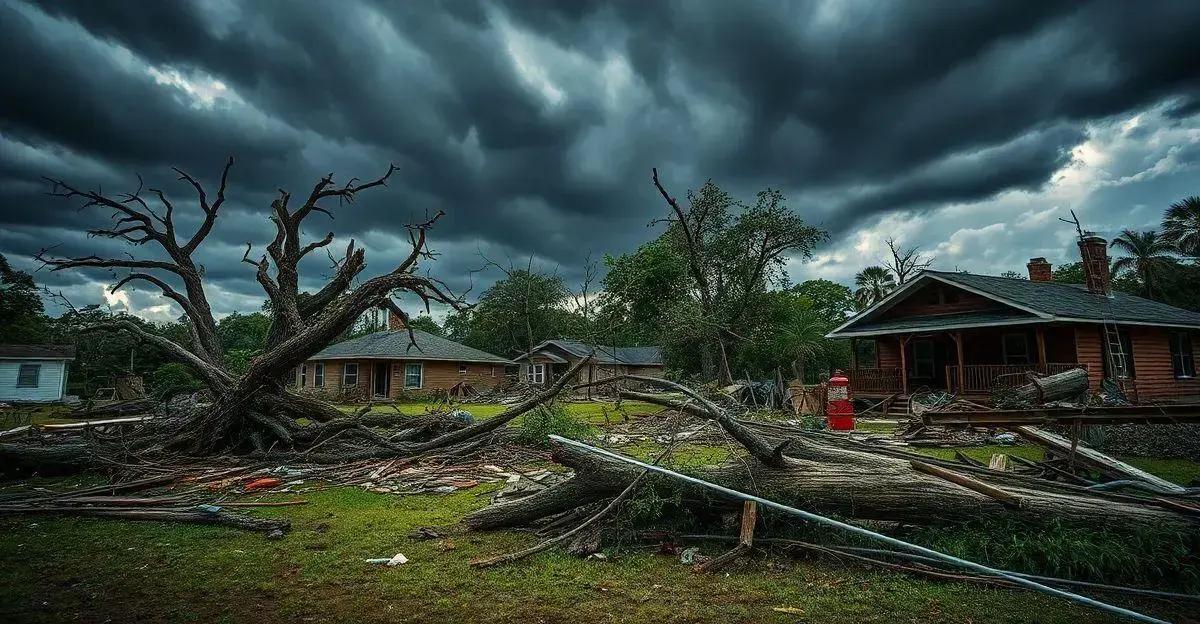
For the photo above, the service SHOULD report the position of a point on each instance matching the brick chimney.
(395, 323)
(1039, 270)
(1094, 252)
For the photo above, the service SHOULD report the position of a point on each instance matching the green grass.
(92, 570)
(985, 452)
(594, 413)
(1181, 471)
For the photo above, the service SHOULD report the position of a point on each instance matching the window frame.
(536, 374)
(1183, 361)
(37, 375)
(346, 374)
(302, 378)
(420, 375)
(462, 368)
(319, 375)
(1008, 356)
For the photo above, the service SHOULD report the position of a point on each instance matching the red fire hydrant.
(839, 411)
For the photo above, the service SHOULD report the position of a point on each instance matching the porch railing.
(983, 378)
(874, 380)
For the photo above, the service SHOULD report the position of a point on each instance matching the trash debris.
(688, 556)
(264, 483)
(275, 534)
(425, 533)
(395, 560)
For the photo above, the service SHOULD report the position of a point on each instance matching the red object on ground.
(839, 412)
(265, 483)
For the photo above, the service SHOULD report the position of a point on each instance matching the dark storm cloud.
(535, 124)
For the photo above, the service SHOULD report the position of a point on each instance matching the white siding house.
(35, 373)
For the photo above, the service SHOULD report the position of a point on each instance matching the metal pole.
(961, 563)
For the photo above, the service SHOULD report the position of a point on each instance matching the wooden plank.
(749, 519)
(87, 424)
(1094, 459)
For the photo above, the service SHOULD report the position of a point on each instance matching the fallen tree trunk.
(830, 480)
(1065, 385)
(1108, 466)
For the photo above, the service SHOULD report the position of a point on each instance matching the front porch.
(969, 363)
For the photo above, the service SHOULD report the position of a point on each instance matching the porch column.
(958, 348)
(853, 353)
(1041, 346)
(903, 365)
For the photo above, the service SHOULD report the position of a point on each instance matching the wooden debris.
(1094, 459)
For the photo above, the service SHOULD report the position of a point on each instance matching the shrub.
(171, 379)
(552, 419)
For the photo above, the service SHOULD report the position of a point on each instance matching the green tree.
(516, 313)
(642, 293)
(832, 301)
(873, 284)
(1146, 255)
(1181, 226)
(22, 314)
(426, 324)
(244, 331)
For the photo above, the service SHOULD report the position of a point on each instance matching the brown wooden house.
(969, 334)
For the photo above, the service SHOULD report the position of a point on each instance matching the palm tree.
(1181, 225)
(1146, 253)
(874, 283)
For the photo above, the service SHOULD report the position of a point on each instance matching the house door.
(924, 366)
(381, 379)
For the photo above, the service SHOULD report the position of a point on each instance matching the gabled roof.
(1028, 302)
(38, 352)
(386, 345)
(629, 356)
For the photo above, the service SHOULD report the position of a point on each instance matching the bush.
(172, 379)
(552, 419)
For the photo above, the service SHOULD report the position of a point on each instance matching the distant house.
(971, 333)
(35, 373)
(550, 360)
(386, 364)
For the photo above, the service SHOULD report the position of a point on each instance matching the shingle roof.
(961, 319)
(631, 356)
(46, 352)
(395, 344)
(1074, 300)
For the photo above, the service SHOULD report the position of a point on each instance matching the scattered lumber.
(1094, 459)
(1090, 415)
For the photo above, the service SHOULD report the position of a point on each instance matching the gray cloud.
(535, 124)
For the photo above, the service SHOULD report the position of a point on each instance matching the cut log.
(1094, 459)
(827, 479)
(1065, 385)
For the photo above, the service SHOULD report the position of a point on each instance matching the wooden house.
(969, 334)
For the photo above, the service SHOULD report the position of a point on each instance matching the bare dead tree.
(906, 262)
(253, 410)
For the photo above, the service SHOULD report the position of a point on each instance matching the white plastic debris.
(397, 559)
(688, 556)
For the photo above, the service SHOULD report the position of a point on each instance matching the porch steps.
(898, 408)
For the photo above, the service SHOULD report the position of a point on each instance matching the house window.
(1016, 348)
(462, 369)
(28, 374)
(413, 373)
(536, 374)
(303, 380)
(319, 375)
(350, 374)
(1119, 360)
(492, 370)
(1183, 362)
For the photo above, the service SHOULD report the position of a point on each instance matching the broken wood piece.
(975, 485)
(1094, 459)
(1000, 462)
(745, 541)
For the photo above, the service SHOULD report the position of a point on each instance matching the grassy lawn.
(90, 570)
(94, 570)
(594, 413)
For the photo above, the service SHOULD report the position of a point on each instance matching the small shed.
(34, 373)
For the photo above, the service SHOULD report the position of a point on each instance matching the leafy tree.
(642, 293)
(515, 314)
(1146, 256)
(1181, 226)
(244, 331)
(22, 314)
(1013, 275)
(831, 301)
(874, 283)
(734, 252)
(426, 324)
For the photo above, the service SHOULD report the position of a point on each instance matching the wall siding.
(1153, 375)
(438, 375)
(50, 381)
(918, 303)
(1088, 351)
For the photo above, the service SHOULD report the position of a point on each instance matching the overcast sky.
(965, 127)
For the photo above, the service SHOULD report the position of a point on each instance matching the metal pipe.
(812, 517)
